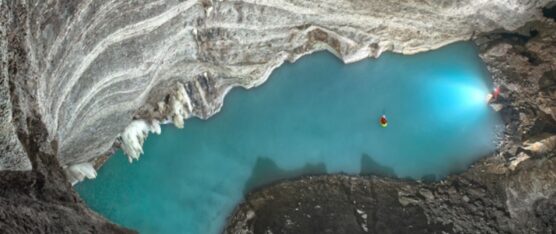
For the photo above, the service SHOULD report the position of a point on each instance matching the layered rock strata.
(92, 67)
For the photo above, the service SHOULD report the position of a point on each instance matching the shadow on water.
(266, 171)
(371, 167)
(458, 166)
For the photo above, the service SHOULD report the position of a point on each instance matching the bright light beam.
(454, 100)
(472, 96)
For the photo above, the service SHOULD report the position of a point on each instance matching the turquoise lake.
(315, 116)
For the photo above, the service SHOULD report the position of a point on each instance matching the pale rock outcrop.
(521, 157)
(180, 105)
(135, 134)
(177, 108)
(542, 146)
(78, 172)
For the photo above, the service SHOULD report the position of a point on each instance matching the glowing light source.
(473, 96)
(463, 95)
(456, 99)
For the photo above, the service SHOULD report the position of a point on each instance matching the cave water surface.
(314, 116)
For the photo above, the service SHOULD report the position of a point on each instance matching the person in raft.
(383, 121)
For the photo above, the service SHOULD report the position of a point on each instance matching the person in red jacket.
(492, 97)
(383, 121)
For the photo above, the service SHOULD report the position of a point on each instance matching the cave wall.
(88, 68)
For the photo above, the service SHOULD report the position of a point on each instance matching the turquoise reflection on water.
(317, 115)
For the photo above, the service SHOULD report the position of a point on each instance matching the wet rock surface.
(512, 191)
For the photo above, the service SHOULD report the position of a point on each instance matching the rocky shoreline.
(68, 98)
(512, 191)
(474, 202)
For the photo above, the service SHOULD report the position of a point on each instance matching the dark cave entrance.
(550, 11)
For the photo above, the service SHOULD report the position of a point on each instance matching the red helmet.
(383, 119)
